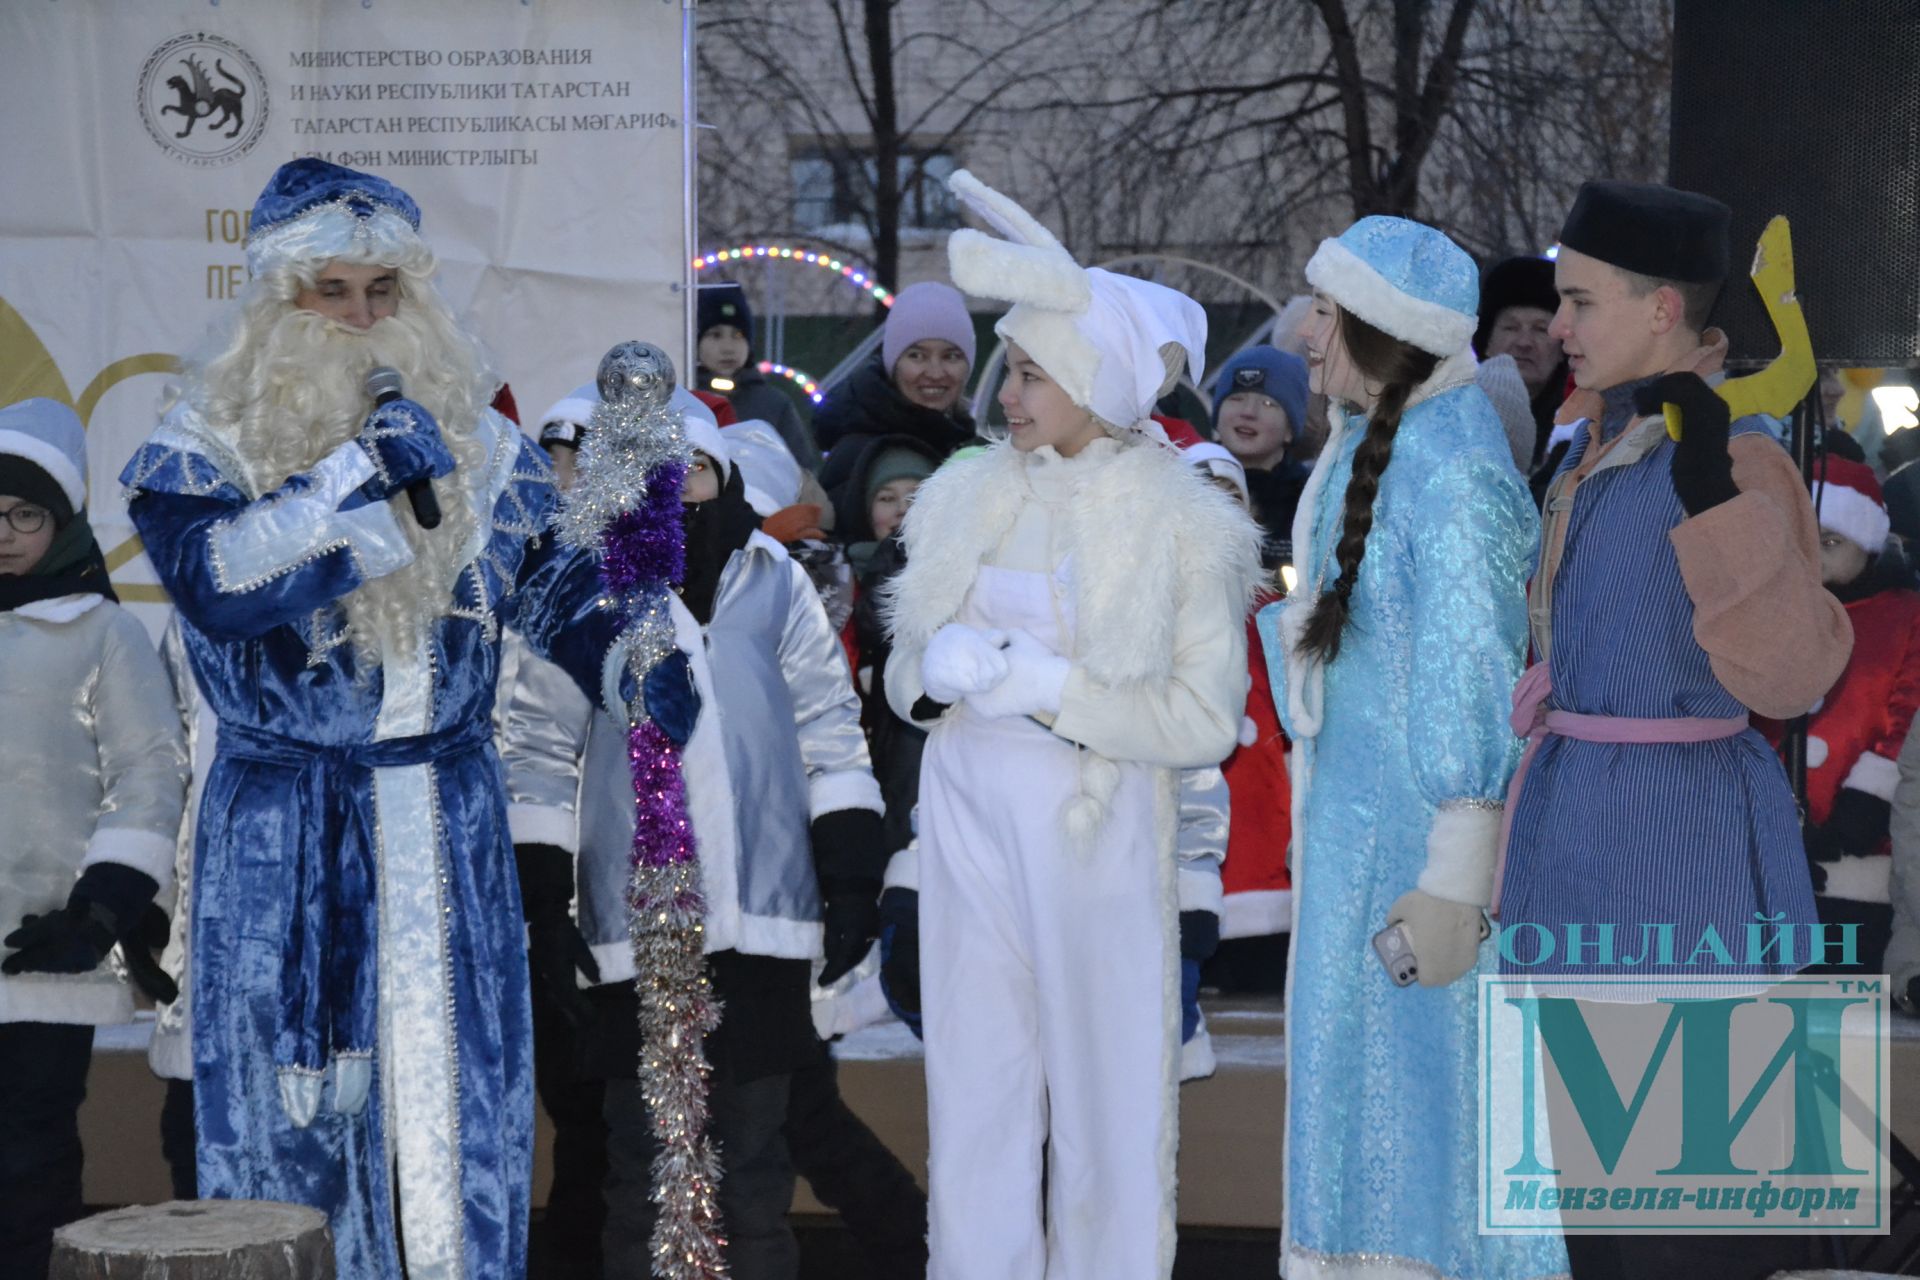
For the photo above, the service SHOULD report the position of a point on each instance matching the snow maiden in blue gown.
(361, 1031)
(1393, 660)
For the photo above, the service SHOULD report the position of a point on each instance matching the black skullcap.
(1653, 230)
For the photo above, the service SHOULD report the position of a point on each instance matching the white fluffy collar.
(60, 608)
(1142, 525)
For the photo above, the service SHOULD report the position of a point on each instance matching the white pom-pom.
(1086, 814)
(1816, 752)
(1249, 731)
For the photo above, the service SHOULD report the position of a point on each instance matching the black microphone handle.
(426, 507)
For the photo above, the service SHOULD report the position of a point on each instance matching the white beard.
(291, 388)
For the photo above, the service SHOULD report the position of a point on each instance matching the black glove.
(1821, 847)
(1913, 993)
(555, 948)
(851, 917)
(1858, 821)
(1702, 468)
(149, 936)
(106, 904)
(1199, 935)
(403, 442)
(900, 953)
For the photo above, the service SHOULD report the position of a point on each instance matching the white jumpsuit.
(1045, 978)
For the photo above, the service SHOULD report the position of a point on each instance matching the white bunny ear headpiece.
(1097, 334)
(1029, 265)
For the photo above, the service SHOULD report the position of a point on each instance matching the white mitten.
(299, 1096)
(352, 1081)
(1445, 936)
(1036, 675)
(961, 660)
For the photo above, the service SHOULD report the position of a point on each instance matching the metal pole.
(690, 192)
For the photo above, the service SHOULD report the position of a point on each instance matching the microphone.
(383, 384)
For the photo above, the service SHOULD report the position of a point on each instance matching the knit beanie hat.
(926, 310)
(1851, 505)
(1271, 372)
(896, 462)
(43, 456)
(722, 304)
(1403, 278)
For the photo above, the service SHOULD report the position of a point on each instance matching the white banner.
(545, 141)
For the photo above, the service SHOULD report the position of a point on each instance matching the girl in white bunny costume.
(1068, 627)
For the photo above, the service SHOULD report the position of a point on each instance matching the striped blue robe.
(1642, 835)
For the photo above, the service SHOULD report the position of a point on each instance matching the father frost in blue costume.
(361, 1034)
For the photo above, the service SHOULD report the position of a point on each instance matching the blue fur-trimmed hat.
(1405, 279)
(315, 211)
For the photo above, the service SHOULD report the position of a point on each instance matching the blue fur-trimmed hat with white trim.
(43, 456)
(1405, 279)
(315, 211)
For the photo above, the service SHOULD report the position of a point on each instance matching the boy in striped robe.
(1678, 590)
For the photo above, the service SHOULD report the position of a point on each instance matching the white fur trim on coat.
(1460, 853)
(1256, 913)
(1200, 890)
(1144, 526)
(1866, 877)
(1351, 281)
(903, 870)
(1855, 517)
(543, 824)
(1874, 774)
(49, 459)
(147, 852)
(847, 789)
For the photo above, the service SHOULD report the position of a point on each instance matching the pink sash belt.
(1533, 720)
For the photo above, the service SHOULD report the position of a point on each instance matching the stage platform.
(1230, 1124)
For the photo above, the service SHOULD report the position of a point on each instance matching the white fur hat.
(703, 430)
(49, 435)
(1097, 334)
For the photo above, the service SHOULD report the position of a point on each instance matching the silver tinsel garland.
(625, 506)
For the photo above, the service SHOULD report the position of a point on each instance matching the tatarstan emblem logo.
(203, 99)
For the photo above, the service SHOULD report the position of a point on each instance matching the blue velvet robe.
(355, 891)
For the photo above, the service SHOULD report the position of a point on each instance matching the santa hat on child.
(1851, 505)
(1097, 334)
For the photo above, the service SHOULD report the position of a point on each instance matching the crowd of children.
(1028, 741)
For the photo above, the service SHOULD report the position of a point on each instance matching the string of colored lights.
(810, 257)
(807, 384)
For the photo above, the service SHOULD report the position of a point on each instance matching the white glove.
(300, 1092)
(1036, 676)
(961, 660)
(1445, 936)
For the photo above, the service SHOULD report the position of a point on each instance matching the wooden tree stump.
(197, 1240)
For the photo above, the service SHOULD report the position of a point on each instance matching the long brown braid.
(1401, 367)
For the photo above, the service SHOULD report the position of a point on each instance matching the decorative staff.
(625, 506)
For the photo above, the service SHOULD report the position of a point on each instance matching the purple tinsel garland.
(643, 552)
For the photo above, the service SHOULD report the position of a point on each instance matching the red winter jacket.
(1259, 893)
